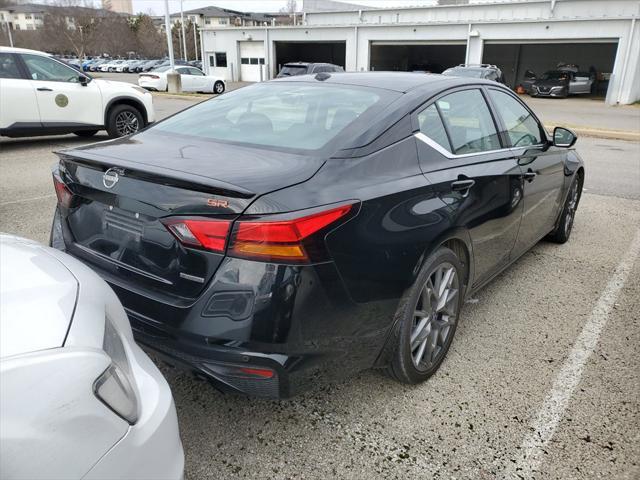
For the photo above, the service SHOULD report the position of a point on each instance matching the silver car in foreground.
(79, 398)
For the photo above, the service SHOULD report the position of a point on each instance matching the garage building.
(519, 36)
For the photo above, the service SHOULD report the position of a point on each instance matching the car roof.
(396, 81)
(23, 50)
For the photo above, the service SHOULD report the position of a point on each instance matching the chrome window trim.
(436, 146)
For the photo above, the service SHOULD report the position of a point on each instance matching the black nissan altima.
(307, 228)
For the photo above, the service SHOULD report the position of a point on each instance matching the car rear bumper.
(298, 322)
(151, 448)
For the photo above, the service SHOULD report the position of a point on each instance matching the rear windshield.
(288, 115)
(291, 70)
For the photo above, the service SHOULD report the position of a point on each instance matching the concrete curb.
(597, 132)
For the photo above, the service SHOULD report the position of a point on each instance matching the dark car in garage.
(307, 228)
(485, 71)
(560, 83)
(303, 68)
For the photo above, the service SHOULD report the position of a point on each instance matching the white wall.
(519, 22)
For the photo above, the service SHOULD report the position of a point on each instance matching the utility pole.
(195, 39)
(184, 39)
(9, 32)
(167, 27)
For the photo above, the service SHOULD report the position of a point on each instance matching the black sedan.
(311, 227)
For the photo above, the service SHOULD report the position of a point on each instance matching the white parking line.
(32, 199)
(555, 404)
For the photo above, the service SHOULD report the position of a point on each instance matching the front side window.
(521, 127)
(8, 66)
(196, 72)
(45, 68)
(467, 119)
(302, 117)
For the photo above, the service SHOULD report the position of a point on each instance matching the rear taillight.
(290, 240)
(205, 233)
(155, 77)
(65, 197)
(279, 238)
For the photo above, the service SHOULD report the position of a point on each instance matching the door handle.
(529, 175)
(44, 89)
(463, 186)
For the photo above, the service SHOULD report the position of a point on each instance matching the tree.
(150, 42)
(291, 7)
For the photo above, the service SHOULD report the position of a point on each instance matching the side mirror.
(529, 75)
(563, 137)
(84, 80)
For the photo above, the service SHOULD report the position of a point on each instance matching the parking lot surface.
(473, 418)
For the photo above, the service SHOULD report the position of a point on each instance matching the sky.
(157, 6)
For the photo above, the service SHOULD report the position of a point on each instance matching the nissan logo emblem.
(110, 178)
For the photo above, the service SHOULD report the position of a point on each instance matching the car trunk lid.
(123, 191)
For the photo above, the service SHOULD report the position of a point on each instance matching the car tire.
(563, 229)
(422, 341)
(85, 133)
(218, 87)
(124, 120)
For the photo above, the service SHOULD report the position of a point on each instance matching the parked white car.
(79, 398)
(191, 78)
(111, 66)
(40, 95)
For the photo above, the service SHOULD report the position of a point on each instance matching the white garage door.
(251, 61)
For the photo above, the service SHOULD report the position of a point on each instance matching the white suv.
(40, 95)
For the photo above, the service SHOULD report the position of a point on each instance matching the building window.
(221, 59)
(252, 61)
(27, 17)
(30, 27)
(207, 21)
(218, 59)
(223, 21)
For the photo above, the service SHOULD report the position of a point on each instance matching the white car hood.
(37, 297)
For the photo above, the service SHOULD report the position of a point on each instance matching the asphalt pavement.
(542, 380)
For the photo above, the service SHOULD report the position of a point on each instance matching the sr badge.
(62, 100)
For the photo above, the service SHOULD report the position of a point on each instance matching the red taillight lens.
(209, 234)
(281, 240)
(65, 197)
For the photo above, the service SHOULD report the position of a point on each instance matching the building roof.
(212, 12)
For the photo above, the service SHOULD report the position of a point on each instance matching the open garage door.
(252, 61)
(411, 57)
(314, 52)
(514, 59)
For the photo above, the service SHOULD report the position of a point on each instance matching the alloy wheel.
(571, 209)
(219, 88)
(127, 123)
(434, 316)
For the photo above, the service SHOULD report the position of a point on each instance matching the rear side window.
(468, 121)
(8, 66)
(282, 115)
(521, 127)
(431, 125)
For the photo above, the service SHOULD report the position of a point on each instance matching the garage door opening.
(434, 58)
(514, 60)
(314, 52)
